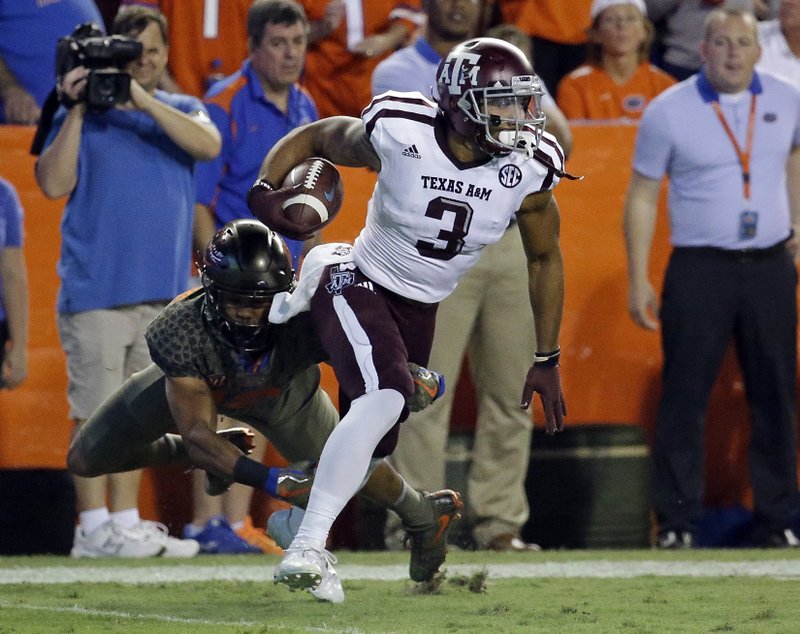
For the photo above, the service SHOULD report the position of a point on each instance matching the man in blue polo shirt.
(729, 140)
(253, 109)
(125, 248)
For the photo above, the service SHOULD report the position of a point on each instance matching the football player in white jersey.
(451, 175)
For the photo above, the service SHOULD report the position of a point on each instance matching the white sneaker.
(283, 525)
(305, 566)
(330, 588)
(112, 540)
(173, 547)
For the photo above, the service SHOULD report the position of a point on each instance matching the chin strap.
(527, 143)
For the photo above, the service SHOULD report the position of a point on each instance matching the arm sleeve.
(550, 156)
(398, 74)
(382, 78)
(55, 126)
(187, 104)
(11, 214)
(173, 341)
(653, 144)
(209, 173)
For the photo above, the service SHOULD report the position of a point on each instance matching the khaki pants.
(103, 348)
(488, 317)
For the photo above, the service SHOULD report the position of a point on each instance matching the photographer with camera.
(106, 85)
(126, 160)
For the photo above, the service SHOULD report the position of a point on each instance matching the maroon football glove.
(543, 377)
(266, 203)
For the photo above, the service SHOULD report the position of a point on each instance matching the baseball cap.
(602, 5)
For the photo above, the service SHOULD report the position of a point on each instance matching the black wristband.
(547, 359)
(251, 473)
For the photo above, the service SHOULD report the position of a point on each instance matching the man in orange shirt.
(557, 30)
(206, 43)
(348, 39)
(618, 82)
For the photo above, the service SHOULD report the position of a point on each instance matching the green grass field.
(567, 591)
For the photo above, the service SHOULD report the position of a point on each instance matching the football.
(317, 194)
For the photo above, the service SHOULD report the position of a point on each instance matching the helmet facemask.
(243, 268)
(220, 305)
(508, 118)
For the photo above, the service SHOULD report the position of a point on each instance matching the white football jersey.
(430, 215)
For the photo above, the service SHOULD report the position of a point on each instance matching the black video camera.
(87, 46)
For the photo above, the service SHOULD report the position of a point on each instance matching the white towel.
(286, 305)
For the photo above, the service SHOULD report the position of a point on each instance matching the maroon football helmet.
(488, 91)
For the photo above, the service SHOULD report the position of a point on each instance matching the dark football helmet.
(246, 263)
(488, 92)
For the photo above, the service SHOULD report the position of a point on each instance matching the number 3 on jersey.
(461, 213)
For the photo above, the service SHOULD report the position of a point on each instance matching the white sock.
(346, 458)
(92, 519)
(411, 507)
(127, 518)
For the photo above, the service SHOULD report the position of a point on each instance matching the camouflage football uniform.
(277, 391)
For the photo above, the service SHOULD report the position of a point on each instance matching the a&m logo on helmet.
(458, 70)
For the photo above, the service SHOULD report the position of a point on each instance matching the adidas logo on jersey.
(411, 151)
(367, 285)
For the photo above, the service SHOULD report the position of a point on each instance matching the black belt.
(739, 255)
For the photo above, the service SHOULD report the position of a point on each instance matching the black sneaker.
(783, 539)
(674, 540)
(429, 544)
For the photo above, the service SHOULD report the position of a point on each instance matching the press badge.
(748, 223)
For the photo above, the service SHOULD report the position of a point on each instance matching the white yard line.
(163, 618)
(118, 614)
(599, 569)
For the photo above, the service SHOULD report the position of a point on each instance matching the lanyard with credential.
(744, 155)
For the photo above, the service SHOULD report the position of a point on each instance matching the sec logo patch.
(509, 176)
